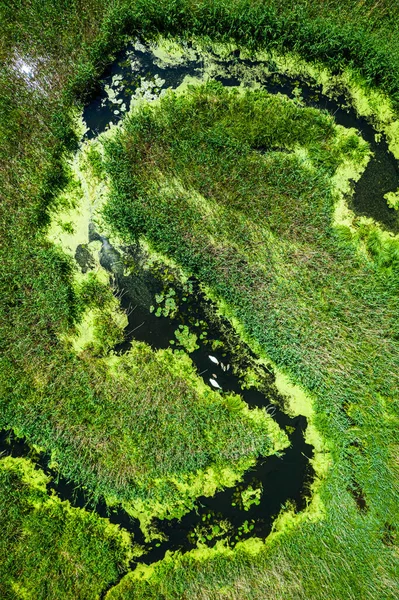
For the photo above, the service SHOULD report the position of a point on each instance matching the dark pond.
(133, 65)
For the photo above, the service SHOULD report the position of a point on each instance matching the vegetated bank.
(86, 552)
(38, 301)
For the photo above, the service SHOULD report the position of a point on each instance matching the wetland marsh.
(199, 382)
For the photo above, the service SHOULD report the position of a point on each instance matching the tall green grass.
(48, 549)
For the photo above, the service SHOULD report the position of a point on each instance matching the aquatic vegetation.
(186, 339)
(169, 307)
(392, 199)
(248, 496)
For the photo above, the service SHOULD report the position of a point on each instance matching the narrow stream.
(277, 480)
(280, 479)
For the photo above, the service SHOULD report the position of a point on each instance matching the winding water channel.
(138, 63)
(280, 479)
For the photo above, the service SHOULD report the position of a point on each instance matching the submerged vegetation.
(250, 193)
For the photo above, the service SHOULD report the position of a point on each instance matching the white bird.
(26, 69)
(215, 384)
(214, 359)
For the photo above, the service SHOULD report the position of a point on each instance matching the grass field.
(249, 206)
(50, 550)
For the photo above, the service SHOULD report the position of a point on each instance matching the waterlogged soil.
(138, 63)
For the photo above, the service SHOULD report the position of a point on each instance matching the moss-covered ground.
(250, 211)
